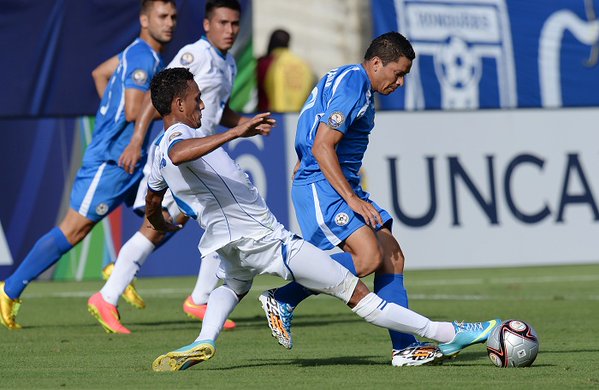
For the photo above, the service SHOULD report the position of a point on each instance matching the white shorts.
(284, 254)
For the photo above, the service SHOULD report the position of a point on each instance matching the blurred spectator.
(284, 79)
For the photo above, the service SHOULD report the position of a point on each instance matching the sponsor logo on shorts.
(174, 135)
(186, 59)
(336, 119)
(341, 219)
(102, 209)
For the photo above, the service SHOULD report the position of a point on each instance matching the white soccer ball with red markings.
(514, 343)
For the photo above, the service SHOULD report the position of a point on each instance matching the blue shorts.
(101, 187)
(325, 218)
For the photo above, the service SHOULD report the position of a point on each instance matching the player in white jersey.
(211, 188)
(214, 70)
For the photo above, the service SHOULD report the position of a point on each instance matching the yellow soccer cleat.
(8, 310)
(131, 296)
(185, 357)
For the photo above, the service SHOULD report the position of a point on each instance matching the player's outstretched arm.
(192, 149)
(154, 212)
(324, 150)
(231, 119)
(132, 153)
(103, 73)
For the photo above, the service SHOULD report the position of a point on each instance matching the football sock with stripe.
(390, 287)
(392, 316)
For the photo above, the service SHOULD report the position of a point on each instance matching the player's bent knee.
(368, 263)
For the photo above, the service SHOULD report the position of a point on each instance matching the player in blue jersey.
(101, 185)
(331, 206)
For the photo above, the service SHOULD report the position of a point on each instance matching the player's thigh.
(314, 269)
(100, 188)
(366, 251)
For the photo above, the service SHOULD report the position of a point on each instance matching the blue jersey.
(343, 99)
(137, 65)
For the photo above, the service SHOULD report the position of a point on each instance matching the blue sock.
(390, 288)
(46, 252)
(293, 293)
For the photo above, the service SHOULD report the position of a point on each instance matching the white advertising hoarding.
(487, 188)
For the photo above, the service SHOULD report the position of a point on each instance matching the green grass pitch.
(62, 346)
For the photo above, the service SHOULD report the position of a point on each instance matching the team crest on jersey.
(174, 135)
(186, 59)
(336, 119)
(140, 77)
(162, 163)
(102, 209)
(341, 219)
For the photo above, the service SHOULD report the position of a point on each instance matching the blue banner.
(475, 54)
(57, 44)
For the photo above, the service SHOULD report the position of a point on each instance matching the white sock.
(392, 316)
(131, 257)
(221, 303)
(207, 278)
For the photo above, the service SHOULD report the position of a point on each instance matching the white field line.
(166, 292)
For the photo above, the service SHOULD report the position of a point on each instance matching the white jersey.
(214, 190)
(214, 73)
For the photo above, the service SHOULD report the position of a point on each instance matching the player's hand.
(261, 124)
(130, 157)
(371, 216)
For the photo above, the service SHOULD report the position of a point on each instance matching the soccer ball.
(514, 343)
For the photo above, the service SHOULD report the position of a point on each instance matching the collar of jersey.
(363, 70)
(220, 53)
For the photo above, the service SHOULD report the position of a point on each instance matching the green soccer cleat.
(466, 334)
(185, 357)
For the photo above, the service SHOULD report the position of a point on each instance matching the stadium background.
(488, 157)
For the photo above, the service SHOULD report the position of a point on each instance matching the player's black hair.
(389, 47)
(279, 38)
(145, 4)
(167, 85)
(211, 5)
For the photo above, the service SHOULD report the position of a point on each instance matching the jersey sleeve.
(178, 134)
(347, 100)
(140, 68)
(156, 182)
(190, 58)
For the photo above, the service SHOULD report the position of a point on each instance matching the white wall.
(326, 33)
(555, 161)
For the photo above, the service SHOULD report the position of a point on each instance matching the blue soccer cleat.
(466, 334)
(185, 357)
(279, 316)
